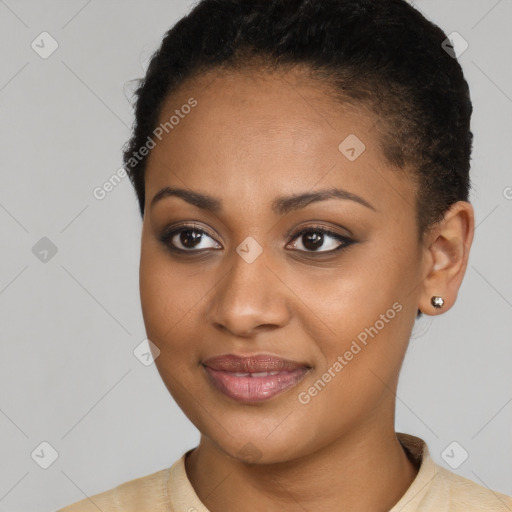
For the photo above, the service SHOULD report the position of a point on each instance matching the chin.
(253, 446)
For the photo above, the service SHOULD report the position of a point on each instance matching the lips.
(252, 364)
(253, 378)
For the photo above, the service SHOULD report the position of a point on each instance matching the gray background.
(68, 375)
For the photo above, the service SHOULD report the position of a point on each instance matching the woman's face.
(237, 276)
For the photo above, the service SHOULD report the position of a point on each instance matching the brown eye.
(188, 239)
(312, 241)
(320, 240)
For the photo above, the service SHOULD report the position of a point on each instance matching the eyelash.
(167, 236)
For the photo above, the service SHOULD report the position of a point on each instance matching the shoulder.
(147, 493)
(463, 494)
(436, 489)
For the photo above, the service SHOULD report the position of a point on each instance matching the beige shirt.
(434, 489)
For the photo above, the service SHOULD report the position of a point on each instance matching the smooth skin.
(254, 137)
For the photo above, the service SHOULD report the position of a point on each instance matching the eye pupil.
(189, 238)
(312, 240)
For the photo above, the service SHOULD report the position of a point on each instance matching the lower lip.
(254, 389)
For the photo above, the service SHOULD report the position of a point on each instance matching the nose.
(250, 298)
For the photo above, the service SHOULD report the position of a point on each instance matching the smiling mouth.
(253, 378)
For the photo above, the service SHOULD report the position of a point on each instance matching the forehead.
(255, 134)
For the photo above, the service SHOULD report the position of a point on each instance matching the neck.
(360, 471)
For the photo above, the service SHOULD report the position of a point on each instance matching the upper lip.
(252, 364)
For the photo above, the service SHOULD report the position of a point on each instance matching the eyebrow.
(281, 205)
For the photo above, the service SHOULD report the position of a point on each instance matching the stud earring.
(437, 302)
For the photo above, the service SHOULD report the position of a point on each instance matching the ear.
(446, 257)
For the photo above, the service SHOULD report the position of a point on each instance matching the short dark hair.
(382, 54)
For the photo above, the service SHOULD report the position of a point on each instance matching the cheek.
(168, 290)
(345, 298)
(356, 311)
(165, 296)
(168, 298)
